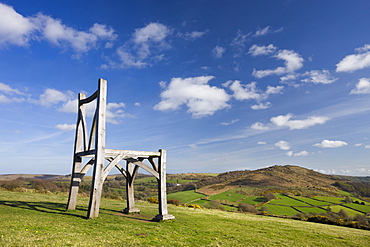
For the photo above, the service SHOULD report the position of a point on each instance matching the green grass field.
(185, 196)
(30, 219)
(227, 196)
(284, 200)
(311, 210)
(311, 201)
(337, 200)
(253, 200)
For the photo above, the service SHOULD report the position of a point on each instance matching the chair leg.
(162, 191)
(75, 182)
(130, 191)
(96, 191)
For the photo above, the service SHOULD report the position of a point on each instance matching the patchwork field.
(282, 205)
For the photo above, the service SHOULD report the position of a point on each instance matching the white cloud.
(51, 97)
(193, 35)
(144, 47)
(14, 28)
(9, 91)
(259, 126)
(266, 30)
(218, 51)
(250, 91)
(285, 121)
(71, 106)
(357, 61)
(19, 30)
(283, 145)
(290, 78)
(256, 50)
(63, 36)
(262, 31)
(244, 92)
(261, 106)
(314, 76)
(148, 36)
(261, 143)
(6, 99)
(114, 111)
(302, 153)
(194, 92)
(319, 76)
(330, 144)
(362, 87)
(231, 122)
(293, 62)
(274, 90)
(238, 42)
(66, 127)
(358, 144)
(367, 146)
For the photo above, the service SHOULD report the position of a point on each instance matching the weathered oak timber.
(91, 145)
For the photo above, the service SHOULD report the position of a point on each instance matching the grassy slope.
(40, 220)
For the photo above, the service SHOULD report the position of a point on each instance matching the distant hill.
(274, 176)
(35, 176)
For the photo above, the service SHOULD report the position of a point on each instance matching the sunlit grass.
(30, 219)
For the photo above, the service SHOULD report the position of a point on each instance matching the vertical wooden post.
(130, 190)
(97, 183)
(162, 190)
(77, 161)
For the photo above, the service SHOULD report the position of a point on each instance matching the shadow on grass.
(45, 207)
(142, 216)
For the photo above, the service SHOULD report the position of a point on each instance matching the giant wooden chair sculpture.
(91, 144)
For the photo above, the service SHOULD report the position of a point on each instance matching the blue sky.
(222, 85)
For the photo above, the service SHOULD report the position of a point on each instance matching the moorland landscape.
(274, 206)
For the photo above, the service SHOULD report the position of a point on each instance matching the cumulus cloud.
(293, 62)
(302, 153)
(362, 87)
(357, 61)
(285, 121)
(9, 90)
(66, 127)
(52, 97)
(151, 34)
(330, 144)
(218, 51)
(259, 126)
(312, 76)
(250, 91)
(261, 143)
(144, 47)
(319, 76)
(261, 106)
(283, 145)
(7, 95)
(194, 92)
(54, 31)
(256, 50)
(16, 29)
